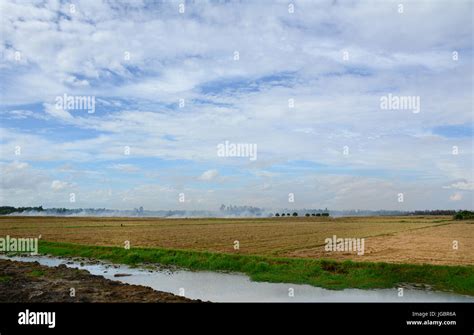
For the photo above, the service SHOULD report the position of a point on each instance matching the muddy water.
(230, 287)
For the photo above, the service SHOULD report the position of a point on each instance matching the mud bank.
(32, 282)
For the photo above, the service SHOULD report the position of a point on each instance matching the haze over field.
(304, 89)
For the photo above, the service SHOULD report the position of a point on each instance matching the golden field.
(427, 239)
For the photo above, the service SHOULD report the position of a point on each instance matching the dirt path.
(32, 282)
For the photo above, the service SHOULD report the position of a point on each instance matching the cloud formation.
(305, 87)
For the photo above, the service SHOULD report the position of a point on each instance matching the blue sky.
(304, 88)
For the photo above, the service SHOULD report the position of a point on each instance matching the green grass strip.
(317, 272)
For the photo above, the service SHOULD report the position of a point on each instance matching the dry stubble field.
(417, 240)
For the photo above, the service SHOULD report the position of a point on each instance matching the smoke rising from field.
(223, 212)
(178, 214)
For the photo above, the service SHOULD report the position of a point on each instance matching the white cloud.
(57, 185)
(209, 175)
(57, 113)
(125, 167)
(462, 185)
(455, 197)
(22, 114)
(17, 177)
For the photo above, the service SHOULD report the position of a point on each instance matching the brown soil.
(32, 282)
(430, 245)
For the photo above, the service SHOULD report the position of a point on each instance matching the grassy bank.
(321, 273)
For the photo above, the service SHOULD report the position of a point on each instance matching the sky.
(296, 86)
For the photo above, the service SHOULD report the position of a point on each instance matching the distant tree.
(313, 214)
(318, 214)
(277, 214)
(464, 215)
(295, 214)
(5, 210)
(282, 214)
(287, 214)
(325, 214)
(307, 214)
